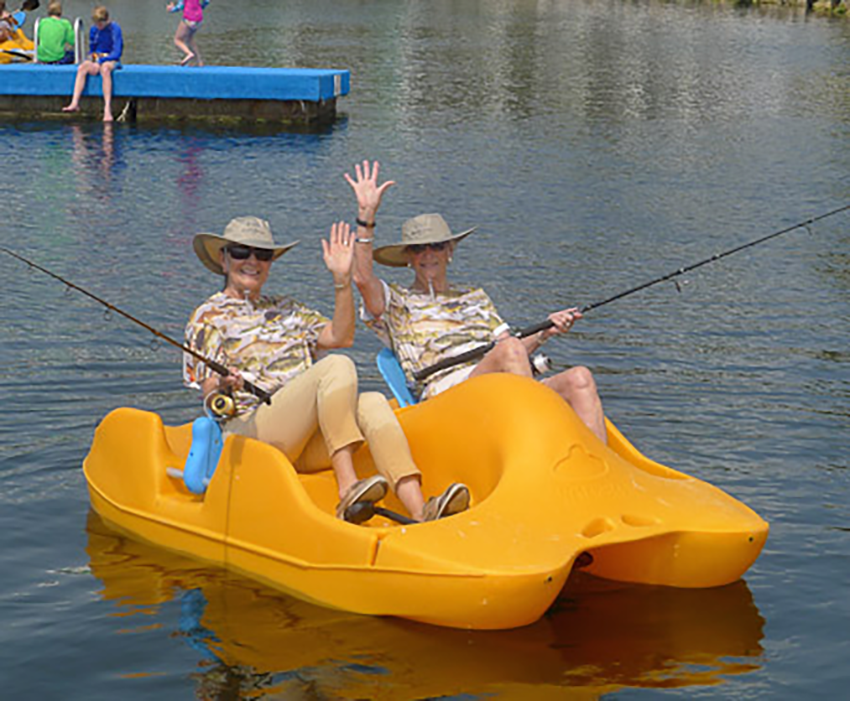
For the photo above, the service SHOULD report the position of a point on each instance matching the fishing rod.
(212, 364)
(475, 353)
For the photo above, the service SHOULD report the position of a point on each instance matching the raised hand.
(366, 188)
(338, 252)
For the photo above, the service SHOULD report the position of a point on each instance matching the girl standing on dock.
(184, 38)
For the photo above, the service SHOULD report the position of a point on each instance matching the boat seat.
(395, 378)
(203, 455)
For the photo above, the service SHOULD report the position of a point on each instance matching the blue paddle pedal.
(395, 378)
(203, 455)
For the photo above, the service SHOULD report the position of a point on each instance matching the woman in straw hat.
(316, 416)
(434, 319)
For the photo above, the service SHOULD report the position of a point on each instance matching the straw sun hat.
(426, 228)
(246, 231)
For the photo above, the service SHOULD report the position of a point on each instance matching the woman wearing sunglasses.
(434, 319)
(316, 416)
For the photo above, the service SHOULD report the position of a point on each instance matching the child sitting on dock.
(55, 40)
(106, 44)
(184, 38)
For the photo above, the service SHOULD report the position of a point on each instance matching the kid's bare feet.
(107, 117)
(70, 108)
(186, 59)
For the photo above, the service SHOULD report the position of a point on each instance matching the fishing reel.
(219, 406)
(540, 364)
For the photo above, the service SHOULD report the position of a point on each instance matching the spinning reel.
(219, 406)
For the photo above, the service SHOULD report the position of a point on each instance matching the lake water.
(596, 145)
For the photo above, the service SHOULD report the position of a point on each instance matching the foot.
(108, 117)
(186, 59)
(71, 108)
(452, 501)
(372, 488)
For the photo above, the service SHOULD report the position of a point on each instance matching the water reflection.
(96, 155)
(599, 637)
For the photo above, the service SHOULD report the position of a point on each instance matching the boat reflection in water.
(598, 637)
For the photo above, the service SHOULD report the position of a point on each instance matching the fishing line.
(475, 353)
(212, 364)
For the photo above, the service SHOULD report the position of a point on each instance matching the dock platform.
(142, 92)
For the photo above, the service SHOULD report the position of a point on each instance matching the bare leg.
(576, 385)
(508, 355)
(194, 46)
(578, 388)
(343, 468)
(106, 73)
(181, 36)
(86, 69)
(409, 493)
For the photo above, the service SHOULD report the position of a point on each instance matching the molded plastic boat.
(544, 491)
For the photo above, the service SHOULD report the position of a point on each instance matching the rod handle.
(258, 392)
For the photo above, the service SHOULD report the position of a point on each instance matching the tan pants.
(319, 412)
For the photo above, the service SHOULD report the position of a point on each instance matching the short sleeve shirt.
(422, 330)
(270, 341)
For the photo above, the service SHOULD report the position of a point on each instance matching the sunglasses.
(420, 247)
(239, 252)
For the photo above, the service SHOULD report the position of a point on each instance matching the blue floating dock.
(300, 95)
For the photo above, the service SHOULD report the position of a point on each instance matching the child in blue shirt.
(106, 44)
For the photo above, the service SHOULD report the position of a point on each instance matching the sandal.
(372, 488)
(452, 501)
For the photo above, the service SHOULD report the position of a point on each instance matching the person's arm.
(92, 44)
(369, 194)
(563, 321)
(339, 256)
(216, 383)
(70, 39)
(206, 339)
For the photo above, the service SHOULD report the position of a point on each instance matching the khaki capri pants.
(319, 412)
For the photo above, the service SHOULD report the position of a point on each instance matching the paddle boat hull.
(544, 491)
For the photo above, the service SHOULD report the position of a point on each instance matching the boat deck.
(298, 95)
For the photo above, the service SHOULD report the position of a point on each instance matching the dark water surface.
(596, 145)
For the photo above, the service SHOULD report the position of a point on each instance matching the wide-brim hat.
(246, 231)
(426, 228)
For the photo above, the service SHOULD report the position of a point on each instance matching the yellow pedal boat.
(544, 490)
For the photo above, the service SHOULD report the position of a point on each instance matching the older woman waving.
(434, 319)
(315, 416)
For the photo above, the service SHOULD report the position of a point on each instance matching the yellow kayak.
(545, 491)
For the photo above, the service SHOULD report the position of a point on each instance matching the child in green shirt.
(55, 40)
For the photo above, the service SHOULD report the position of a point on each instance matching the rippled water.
(596, 145)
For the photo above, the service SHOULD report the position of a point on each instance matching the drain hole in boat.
(597, 527)
(585, 559)
(639, 521)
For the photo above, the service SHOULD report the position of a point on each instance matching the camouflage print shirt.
(422, 330)
(270, 341)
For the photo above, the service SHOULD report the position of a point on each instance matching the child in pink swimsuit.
(184, 38)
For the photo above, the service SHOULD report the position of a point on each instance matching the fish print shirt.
(270, 341)
(422, 330)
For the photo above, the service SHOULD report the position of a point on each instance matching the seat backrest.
(394, 376)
